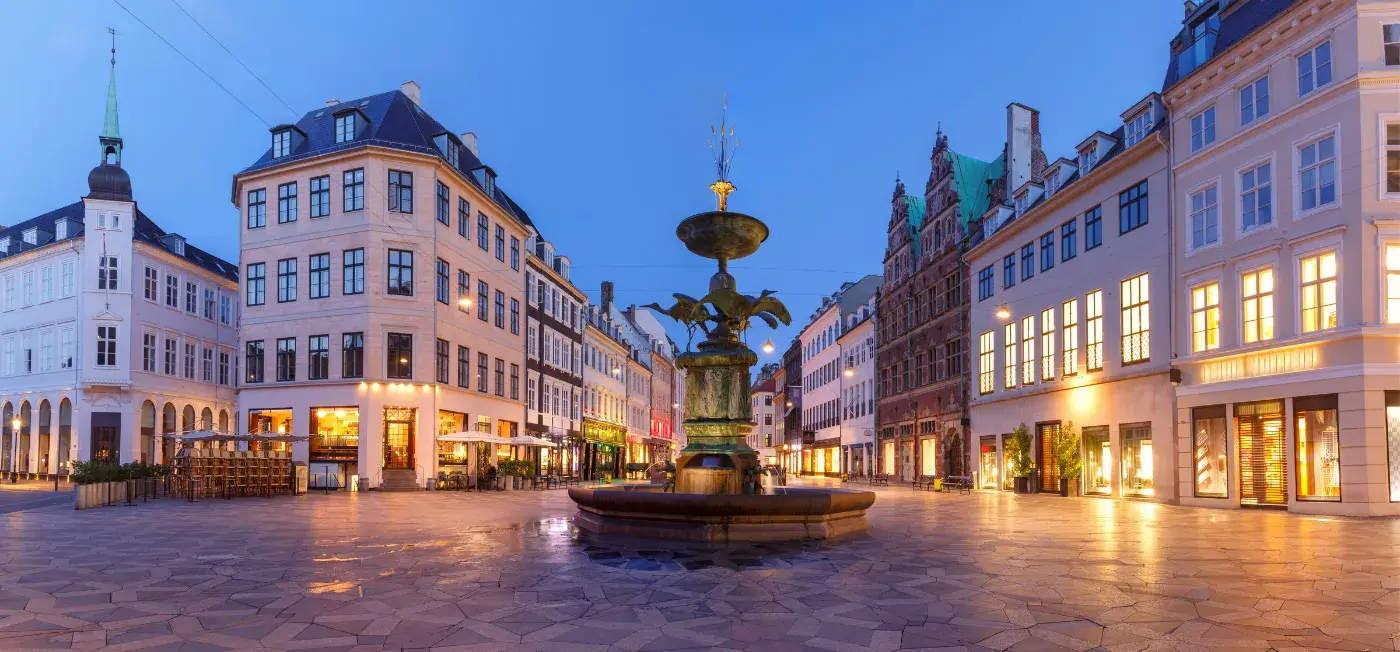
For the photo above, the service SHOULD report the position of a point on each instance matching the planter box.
(88, 496)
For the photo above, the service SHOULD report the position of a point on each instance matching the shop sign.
(1267, 363)
(596, 431)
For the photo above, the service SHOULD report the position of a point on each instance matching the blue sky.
(594, 114)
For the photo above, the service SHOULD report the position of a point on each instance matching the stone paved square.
(507, 571)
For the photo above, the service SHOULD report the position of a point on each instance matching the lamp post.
(14, 449)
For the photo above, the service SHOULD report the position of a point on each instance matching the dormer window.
(1088, 156)
(1022, 202)
(1052, 180)
(1136, 129)
(449, 148)
(60, 229)
(281, 143)
(490, 183)
(345, 127)
(31, 235)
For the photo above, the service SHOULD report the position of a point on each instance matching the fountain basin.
(790, 513)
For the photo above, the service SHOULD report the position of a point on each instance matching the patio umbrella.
(527, 440)
(483, 437)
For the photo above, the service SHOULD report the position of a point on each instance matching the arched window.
(148, 431)
(167, 419)
(206, 419)
(45, 437)
(187, 419)
(22, 464)
(223, 421)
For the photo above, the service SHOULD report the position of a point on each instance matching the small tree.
(1019, 452)
(1067, 455)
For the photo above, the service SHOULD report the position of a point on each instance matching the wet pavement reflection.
(508, 571)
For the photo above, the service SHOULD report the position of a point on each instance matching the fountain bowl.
(787, 514)
(722, 235)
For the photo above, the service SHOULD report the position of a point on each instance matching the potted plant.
(1018, 452)
(1069, 459)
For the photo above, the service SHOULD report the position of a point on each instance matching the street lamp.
(768, 347)
(465, 303)
(1003, 312)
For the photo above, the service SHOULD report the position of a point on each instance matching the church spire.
(111, 138)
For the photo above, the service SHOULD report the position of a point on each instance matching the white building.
(764, 436)
(604, 396)
(857, 346)
(824, 378)
(114, 332)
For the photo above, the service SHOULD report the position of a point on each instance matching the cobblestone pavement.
(31, 494)
(459, 572)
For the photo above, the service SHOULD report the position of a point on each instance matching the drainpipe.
(1171, 285)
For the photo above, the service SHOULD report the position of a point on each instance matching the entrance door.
(398, 444)
(1263, 467)
(906, 469)
(1046, 434)
(106, 437)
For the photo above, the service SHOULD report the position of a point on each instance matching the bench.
(879, 479)
(961, 484)
(925, 482)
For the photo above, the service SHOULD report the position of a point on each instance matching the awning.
(834, 442)
(527, 440)
(536, 427)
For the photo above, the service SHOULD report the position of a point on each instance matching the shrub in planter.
(1018, 453)
(1067, 456)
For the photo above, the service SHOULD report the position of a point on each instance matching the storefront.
(988, 462)
(928, 457)
(825, 457)
(605, 445)
(1098, 461)
(1047, 466)
(335, 446)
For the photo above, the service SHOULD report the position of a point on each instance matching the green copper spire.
(111, 138)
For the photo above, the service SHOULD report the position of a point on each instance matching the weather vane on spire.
(723, 151)
(113, 32)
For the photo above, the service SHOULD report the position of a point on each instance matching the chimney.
(1022, 139)
(411, 89)
(1190, 7)
(469, 141)
(606, 297)
(332, 102)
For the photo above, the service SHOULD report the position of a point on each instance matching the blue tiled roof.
(393, 121)
(147, 231)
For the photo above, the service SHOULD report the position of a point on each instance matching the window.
(1028, 350)
(531, 343)
(1132, 208)
(286, 359)
(1202, 129)
(444, 203)
(287, 203)
(191, 297)
(464, 283)
(1257, 305)
(286, 280)
(1390, 36)
(223, 367)
(501, 378)
(281, 143)
(67, 282)
(320, 265)
(482, 307)
(1256, 197)
(482, 371)
(318, 357)
(65, 356)
(1205, 318)
(1027, 261)
(209, 304)
(440, 353)
(345, 127)
(1319, 450)
(1069, 234)
(482, 231)
(1318, 287)
(1136, 321)
(464, 210)
(1317, 173)
(1008, 271)
(1047, 344)
(514, 316)
(400, 355)
(984, 283)
(257, 208)
(440, 288)
(1087, 157)
(352, 355)
(257, 277)
(320, 197)
(253, 361)
(1254, 101)
(148, 352)
(1008, 380)
(353, 184)
(1070, 337)
(1137, 128)
(1093, 327)
(189, 360)
(464, 367)
(500, 243)
(28, 282)
(515, 386)
(225, 310)
(500, 309)
(106, 277)
(1315, 68)
(1392, 284)
(953, 362)
(1047, 251)
(171, 352)
(515, 253)
(106, 346)
(400, 191)
(400, 272)
(46, 284)
(353, 271)
(1205, 218)
(1093, 228)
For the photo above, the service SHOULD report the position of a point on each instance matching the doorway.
(398, 438)
(1263, 467)
(1046, 434)
(106, 437)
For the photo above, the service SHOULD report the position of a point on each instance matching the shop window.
(1262, 462)
(1318, 454)
(335, 434)
(1392, 440)
(1098, 461)
(1137, 460)
(987, 462)
(1209, 457)
(266, 422)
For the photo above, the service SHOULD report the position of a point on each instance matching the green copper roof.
(109, 124)
(970, 177)
(915, 208)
